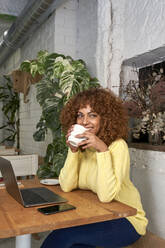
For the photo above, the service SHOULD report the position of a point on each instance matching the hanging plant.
(10, 109)
(62, 77)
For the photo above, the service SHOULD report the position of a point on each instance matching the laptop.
(28, 197)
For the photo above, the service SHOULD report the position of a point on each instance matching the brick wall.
(143, 26)
(42, 39)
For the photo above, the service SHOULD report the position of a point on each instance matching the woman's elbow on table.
(67, 188)
(107, 194)
(105, 198)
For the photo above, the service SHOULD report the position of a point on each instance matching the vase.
(155, 139)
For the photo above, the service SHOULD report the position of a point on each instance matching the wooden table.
(17, 220)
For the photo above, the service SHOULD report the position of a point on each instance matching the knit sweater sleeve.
(68, 177)
(113, 169)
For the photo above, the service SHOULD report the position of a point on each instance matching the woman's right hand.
(73, 148)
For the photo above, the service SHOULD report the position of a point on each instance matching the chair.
(23, 165)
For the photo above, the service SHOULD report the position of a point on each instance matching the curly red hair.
(114, 121)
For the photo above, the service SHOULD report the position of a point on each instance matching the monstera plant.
(62, 77)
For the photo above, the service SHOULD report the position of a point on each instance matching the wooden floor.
(150, 240)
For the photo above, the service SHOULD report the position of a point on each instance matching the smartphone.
(56, 208)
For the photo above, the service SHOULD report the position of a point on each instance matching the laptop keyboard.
(31, 197)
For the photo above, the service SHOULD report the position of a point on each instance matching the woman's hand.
(92, 141)
(73, 148)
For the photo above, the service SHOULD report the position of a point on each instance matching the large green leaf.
(41, 132)
(46, 89)
(39, 135)
(46, 171)
(62, 78)
(25, 66)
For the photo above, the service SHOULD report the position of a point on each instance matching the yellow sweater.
(107, 175)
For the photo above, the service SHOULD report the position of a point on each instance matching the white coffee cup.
(77, 129)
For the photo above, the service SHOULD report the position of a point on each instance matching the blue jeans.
(107, 234)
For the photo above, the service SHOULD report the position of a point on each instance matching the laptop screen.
(27, 197)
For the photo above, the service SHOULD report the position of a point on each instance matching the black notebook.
(27, 197)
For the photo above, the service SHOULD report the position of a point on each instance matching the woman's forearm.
(68, 177)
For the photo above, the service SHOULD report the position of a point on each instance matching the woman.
(101, 164)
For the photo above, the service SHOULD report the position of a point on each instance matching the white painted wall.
(110, 42)
(103, 46)
(30, 112)
(143, 26)
(76, 31)
(148, 174)
(86, 32)
(136, 28)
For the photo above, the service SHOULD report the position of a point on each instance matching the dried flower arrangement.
(145, 102)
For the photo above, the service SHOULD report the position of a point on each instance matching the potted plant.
(62, 77)
(10, 109)
(145, 102)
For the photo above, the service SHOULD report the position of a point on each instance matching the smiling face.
(89, 119)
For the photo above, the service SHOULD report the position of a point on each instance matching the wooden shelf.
(145, 146)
